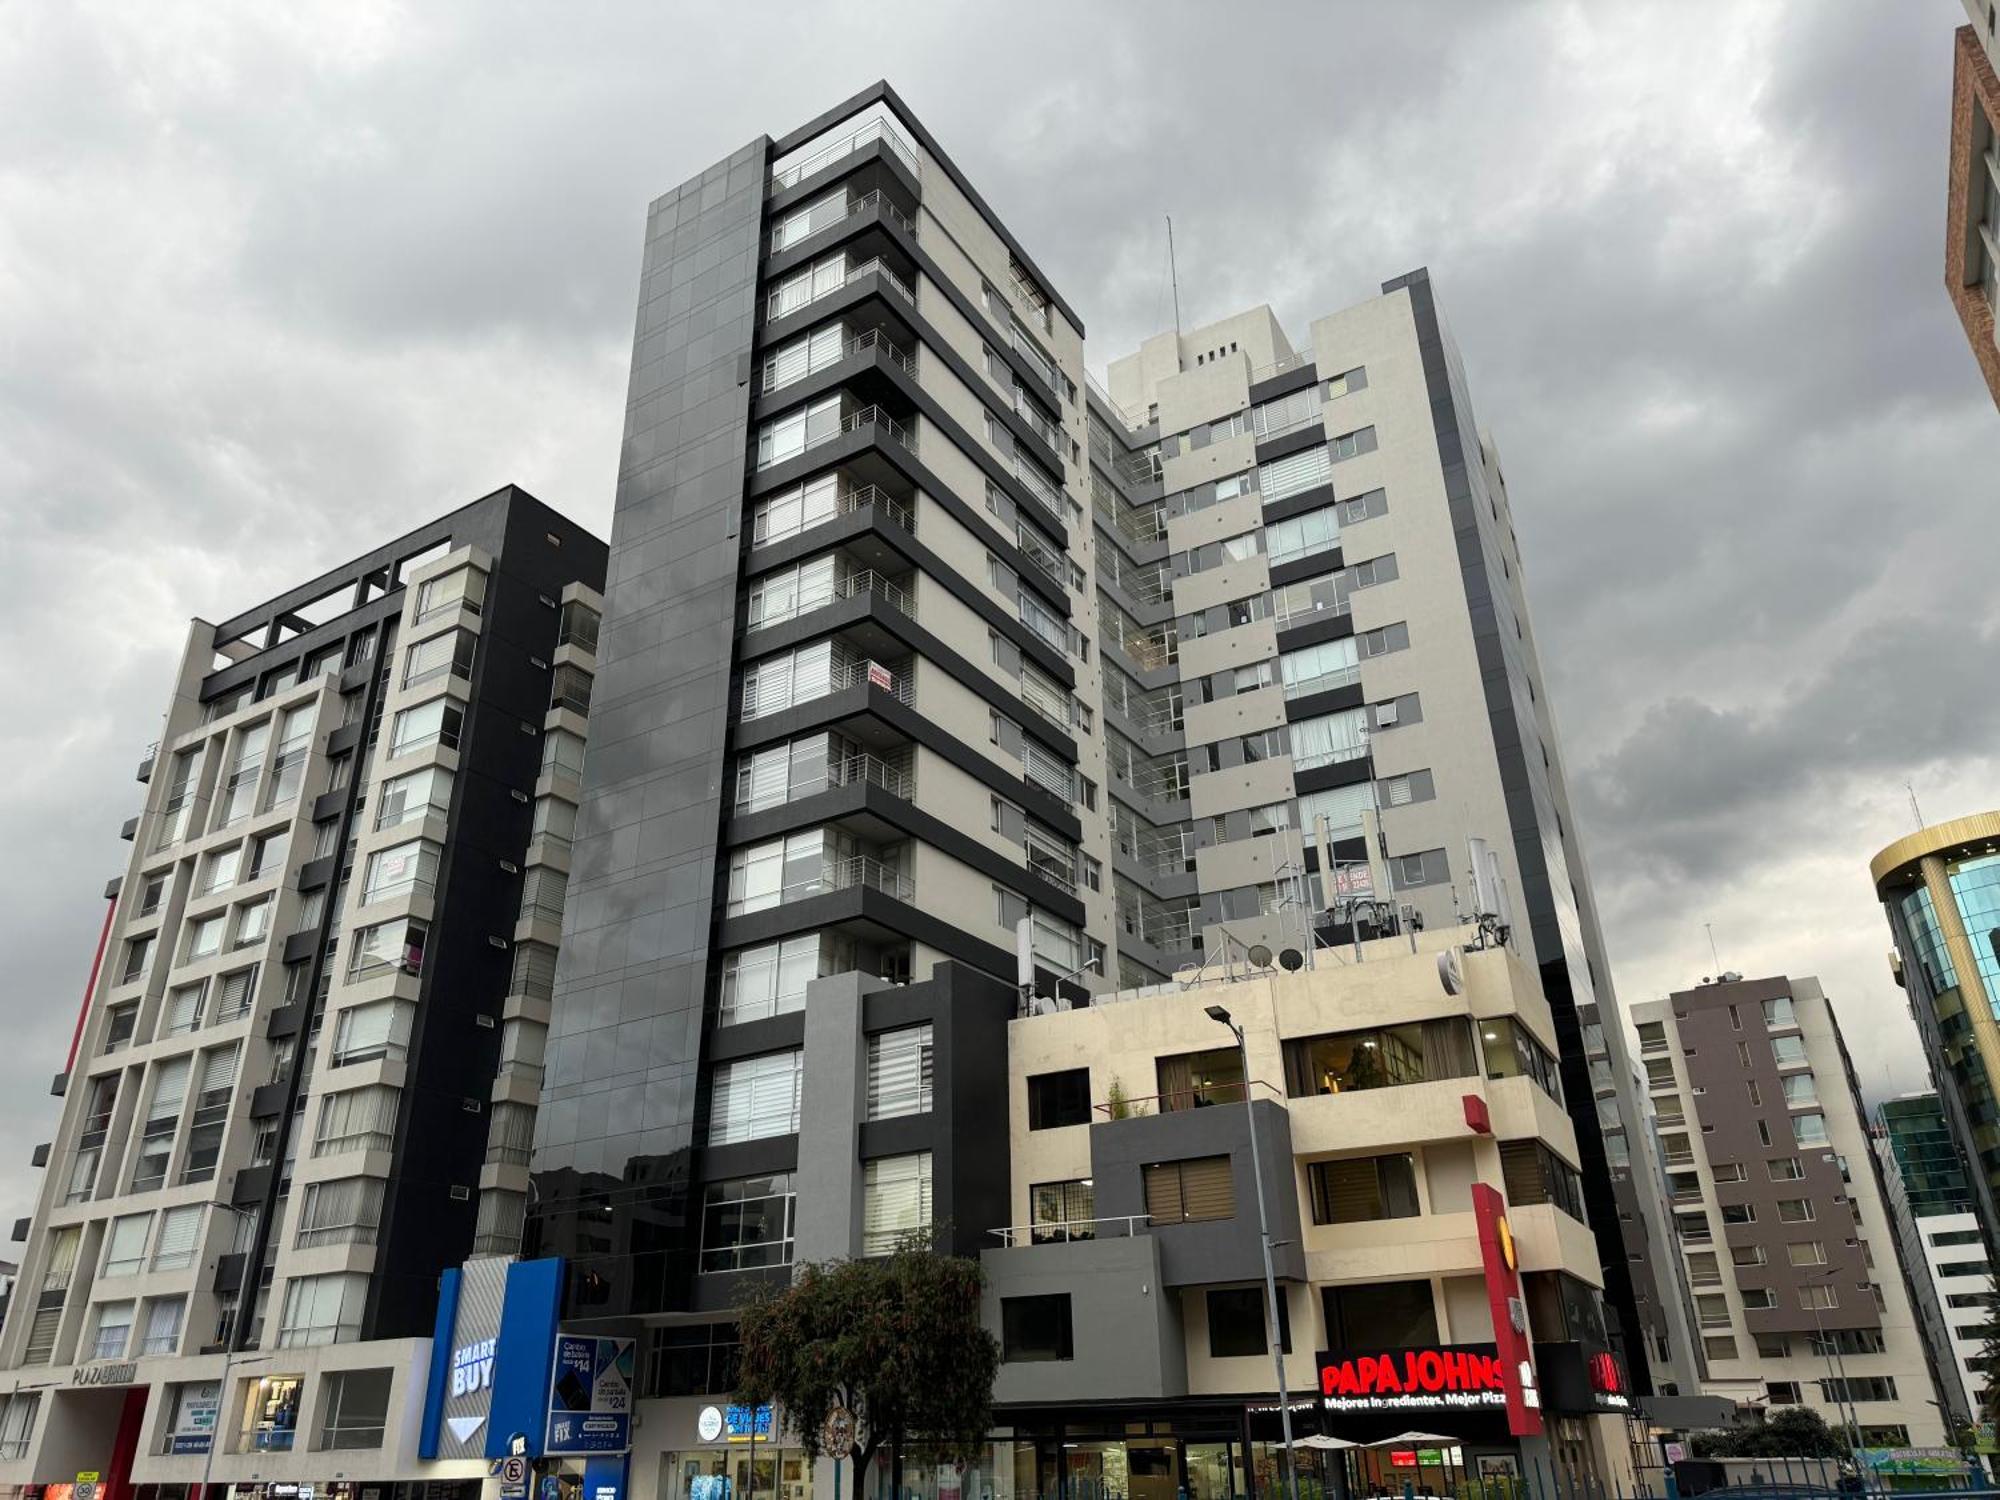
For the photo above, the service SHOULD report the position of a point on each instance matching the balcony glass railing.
(785, 301)
(796, 230)
(825, 357)
(847, 145)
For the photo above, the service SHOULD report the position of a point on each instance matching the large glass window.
(395, 944)
(899, 1072)
(1063, 1211)
(1534, 1174)
(125, 1245)
(1319, 667)
(1362, 1189)
(791, 677)
(1330, 739)
(1975, 887)
(322, 1310)
(449, 654)
(798, 508)
(1295, 474)
(1341, 806)
(416, 794)
(1382, 1057)
(791, 434)
(1057, 1099)
(401, 870)
(895, 1201)
(113, 1331)
(448, 591)
(371, 1032)
(1380, 1315)
(771, 979)
(180, 1229)
(755, 1097)
(437, 722)
(1511, 1051)
(779, 774)
(362, 1119)
(1036, 1329)
(340, 1211)
(355, 1409)
(747, 1223)
(1308, 535)
(1192, 1080)
(786, 592)
(1188, 1192)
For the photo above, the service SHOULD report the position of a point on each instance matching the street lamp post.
(229, 1362)
(1221, 1014)
(1830, 1353)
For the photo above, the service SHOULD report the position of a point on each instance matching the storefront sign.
(747, 1424)
(708, 1426)
(1441, 1377)
(125, 1372)
(1510, 1323)
(590, 1396)
(1582, 1379)
(1916, 1461)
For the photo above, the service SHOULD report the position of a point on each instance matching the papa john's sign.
(1442, 1377)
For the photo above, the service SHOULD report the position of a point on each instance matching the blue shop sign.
(745, 1424)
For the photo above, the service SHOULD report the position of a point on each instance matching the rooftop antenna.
(1915, 811)
(1174, 275)
(1714, 957)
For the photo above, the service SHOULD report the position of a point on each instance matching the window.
(1535, 1174)
(162, 1328)
(1063, 1211)
(1779, 1012)
(1788, 1050)
(125, 1246)
(1348, 444)
(1801, 1088)
(1346, 1061)
(797, 358)
(340, 1211)
(797, 509)
(1806, 1253)
(372, 1032)
(1818, 1297)
(1511, 1051)
(362, 1119)
(1036, 1329)
(1809, 1130)
(748, 1223)
(355, 1408)
(1308, 535)
(1785, 1169)
(17, 1418)
(1739, 1213)
(767, 875)
(1196, 1080)
(1317, 668)
(113, 1331)
(1719, 1348)
(448, 591)
(1951, 1237)
(322, 1310)
(1330, 739)
(1189, 1192)
(183, 1009)
(163, 1114)
(1382, 1314)
(899, 1072)
(413, 795)
(1712, 1310)
(395, 944)
(180, 1228)
(253, 922)
(1295, 474)
(1773, 1346)
(1363, 1189)
(895, 1201)
(1783, 1392)
(437, 722)
(771, 980)
(214, 1090)
(204, 940)
(755, 1097)
(401, 870)
(1057, 1099)
(220, 870)
(1859, 1388)
(797, 430)
(1237, 1323)
(782, 773)
(790, 591)
(1731, 1171)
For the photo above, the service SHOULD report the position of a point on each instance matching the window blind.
(895, 1200)
(218, 1070)
(1294, 474)
(169, 1090)
(184, 1008)
(899, 1072)
(163, 1325)
(755, 1097)
(125, 1251)
(1187, 1191)
(179, 1228)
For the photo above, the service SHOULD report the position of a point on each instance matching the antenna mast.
(1909, 787)
(1173, 275)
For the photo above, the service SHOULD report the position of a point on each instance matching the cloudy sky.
(278, 281)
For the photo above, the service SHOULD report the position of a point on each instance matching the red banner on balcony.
(1510, 1315)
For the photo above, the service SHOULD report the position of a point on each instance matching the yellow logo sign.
(1506, 1233)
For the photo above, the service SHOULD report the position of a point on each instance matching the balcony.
(897, 680)
(782, 517)
(847, 145)
(865, 769)
(815, 358)
(1282, 366)
(784, 301)
(795, 230)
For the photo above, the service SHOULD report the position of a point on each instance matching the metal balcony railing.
(815, 361)
(862, 767)
(865, 870)
(898, 594)
(1040, 553)
(1280, 366)
(784, 301)
(796, 231)
(847, 145)
(1051, 1231)
(1338, 677)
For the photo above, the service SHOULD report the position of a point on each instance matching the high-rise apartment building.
(1972, 214)
(304, 1080)
(1940, 890)
(1930, 1203)
(1785, 1238)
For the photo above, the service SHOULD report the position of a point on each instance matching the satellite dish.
(1260, 956)
(1187, 974)
(1451, 973)
(1291, 960)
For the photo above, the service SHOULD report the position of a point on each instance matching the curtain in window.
(755, 1097)
(125, 1251)
(1448, 1049)
(895, 1200)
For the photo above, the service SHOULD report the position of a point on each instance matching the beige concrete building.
(1781, 1220)
(1134, 1247)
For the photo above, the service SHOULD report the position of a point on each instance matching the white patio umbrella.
(1417, 1439)
(1317, 1441)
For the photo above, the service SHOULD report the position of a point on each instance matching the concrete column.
(831, 1103)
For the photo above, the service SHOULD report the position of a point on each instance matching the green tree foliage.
(1987, 1361)
(1788, 1432)
(895, 1339)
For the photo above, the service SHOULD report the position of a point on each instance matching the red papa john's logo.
(1605, 1375)
(1426, 1372)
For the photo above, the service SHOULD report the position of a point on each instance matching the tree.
(895, 1339)
(1987, 1361)
(1788, 1432)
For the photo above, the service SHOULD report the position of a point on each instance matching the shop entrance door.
(1154, 1468)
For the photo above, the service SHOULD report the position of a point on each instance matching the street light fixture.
(1221, 1015)
(229, 1362)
